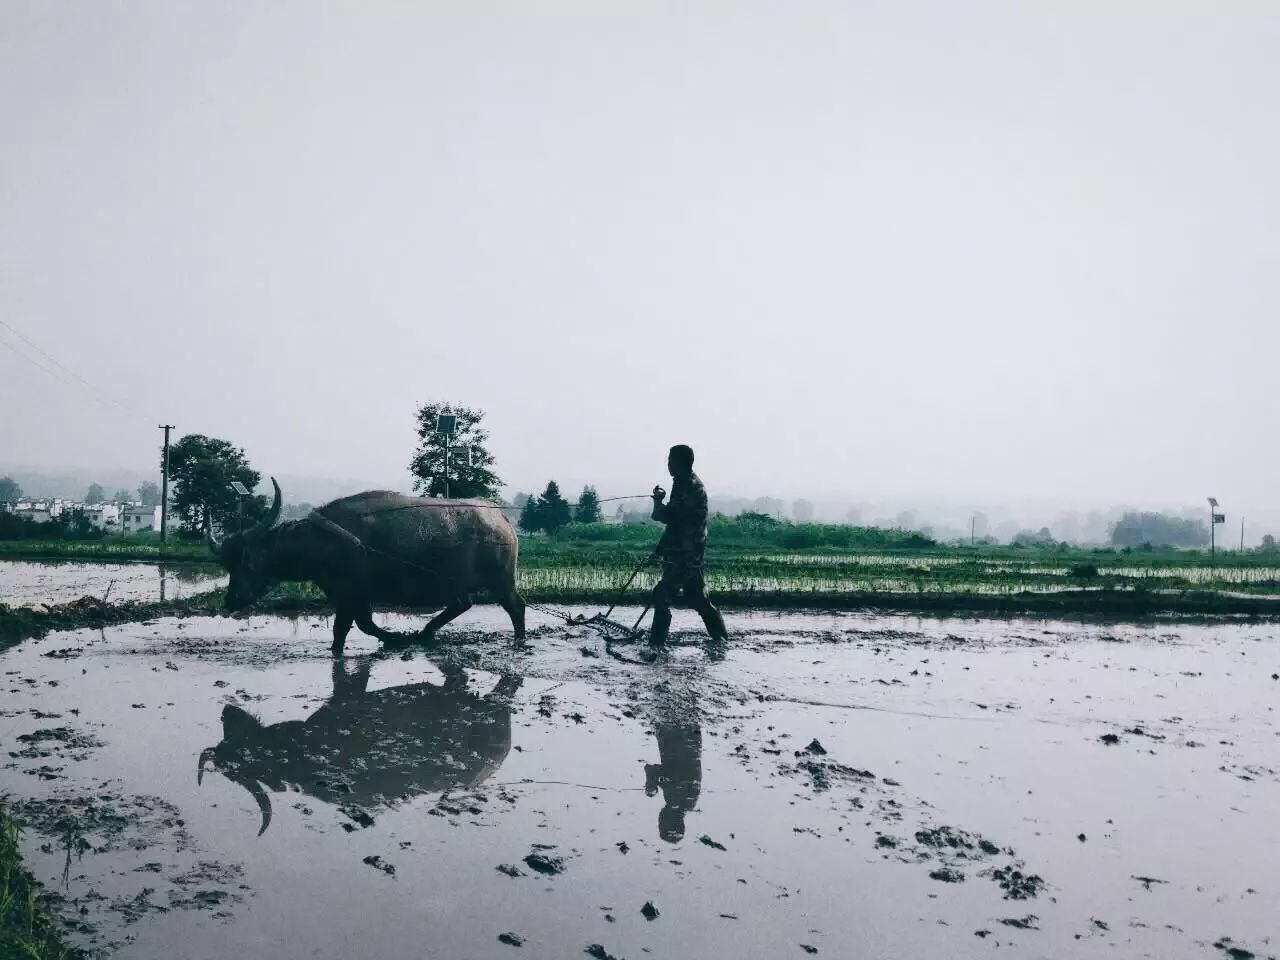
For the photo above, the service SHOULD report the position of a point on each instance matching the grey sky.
(864, 249)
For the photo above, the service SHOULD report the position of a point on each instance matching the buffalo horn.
(214, 543)
(206, 755)
(273, 515)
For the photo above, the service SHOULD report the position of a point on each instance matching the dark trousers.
(682, 580)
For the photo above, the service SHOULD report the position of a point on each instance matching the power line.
(60, 371)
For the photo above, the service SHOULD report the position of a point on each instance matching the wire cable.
(60, 371)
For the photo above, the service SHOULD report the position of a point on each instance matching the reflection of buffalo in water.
(370, 749)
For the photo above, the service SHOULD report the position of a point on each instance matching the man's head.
(680, 460)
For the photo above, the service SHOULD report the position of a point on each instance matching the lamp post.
(241, 492)
(1215, 518)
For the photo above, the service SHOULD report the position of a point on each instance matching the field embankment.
(750, 564)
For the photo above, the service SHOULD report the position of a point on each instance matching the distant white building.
(136, 518)
(41, 511)
(103, 516)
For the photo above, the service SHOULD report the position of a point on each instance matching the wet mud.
(839, 784)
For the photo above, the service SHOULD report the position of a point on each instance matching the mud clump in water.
(598, 952)
(706, 841)
(1110, 739)
(543, 864)
(511, 939)
(378, 863)
(1227, 946)
(947, 875)
(649, 911)
(1024, 923)
(1018, 885)
(55, 742)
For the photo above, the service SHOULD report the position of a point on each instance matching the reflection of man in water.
(682, 547)
(679, 770)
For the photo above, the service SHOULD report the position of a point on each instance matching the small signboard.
(239, 488)
(1219, 518)
(447, 424)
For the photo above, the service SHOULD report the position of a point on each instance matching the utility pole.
(973, 526)
(447, 424)
(1242, 534)
(164, 485)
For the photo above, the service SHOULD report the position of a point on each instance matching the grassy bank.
(107, 550)
(27, 930)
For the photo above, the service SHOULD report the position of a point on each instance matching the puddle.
(849, 784)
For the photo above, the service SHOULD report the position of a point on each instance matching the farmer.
(681, 549)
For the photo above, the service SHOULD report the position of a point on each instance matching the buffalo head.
(243, 556)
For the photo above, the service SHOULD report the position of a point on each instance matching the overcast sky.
(985, 250)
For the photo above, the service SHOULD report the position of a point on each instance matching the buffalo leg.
(350, 686)
(513, 603)
(342, 621)
(456, 608)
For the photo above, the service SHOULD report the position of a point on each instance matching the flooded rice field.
(847, 785)
(29, 583)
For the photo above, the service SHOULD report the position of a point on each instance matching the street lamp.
(1215, 518)
(241, 492)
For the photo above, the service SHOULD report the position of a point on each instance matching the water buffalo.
(370, 750)
(383, 548)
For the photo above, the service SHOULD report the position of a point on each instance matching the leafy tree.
(1268, 542)
(96, 494)
(588, 509)
(553, 509)
(201, 469)
(469, 475)
(149, 494)
(530, 516)
(122, 496)
(10, 490)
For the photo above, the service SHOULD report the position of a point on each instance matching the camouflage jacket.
(685, 514)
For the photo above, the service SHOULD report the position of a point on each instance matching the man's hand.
(659, 494)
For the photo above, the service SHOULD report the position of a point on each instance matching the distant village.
(109, 516)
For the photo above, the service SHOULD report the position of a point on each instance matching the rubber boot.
(661, 626)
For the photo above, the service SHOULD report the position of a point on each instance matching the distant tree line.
(1158, 529)
(551, 512)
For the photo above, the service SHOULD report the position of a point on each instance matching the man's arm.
(660, 509)
(685, 510)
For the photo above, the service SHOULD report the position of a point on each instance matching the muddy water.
(26, 583)
(856, 785)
